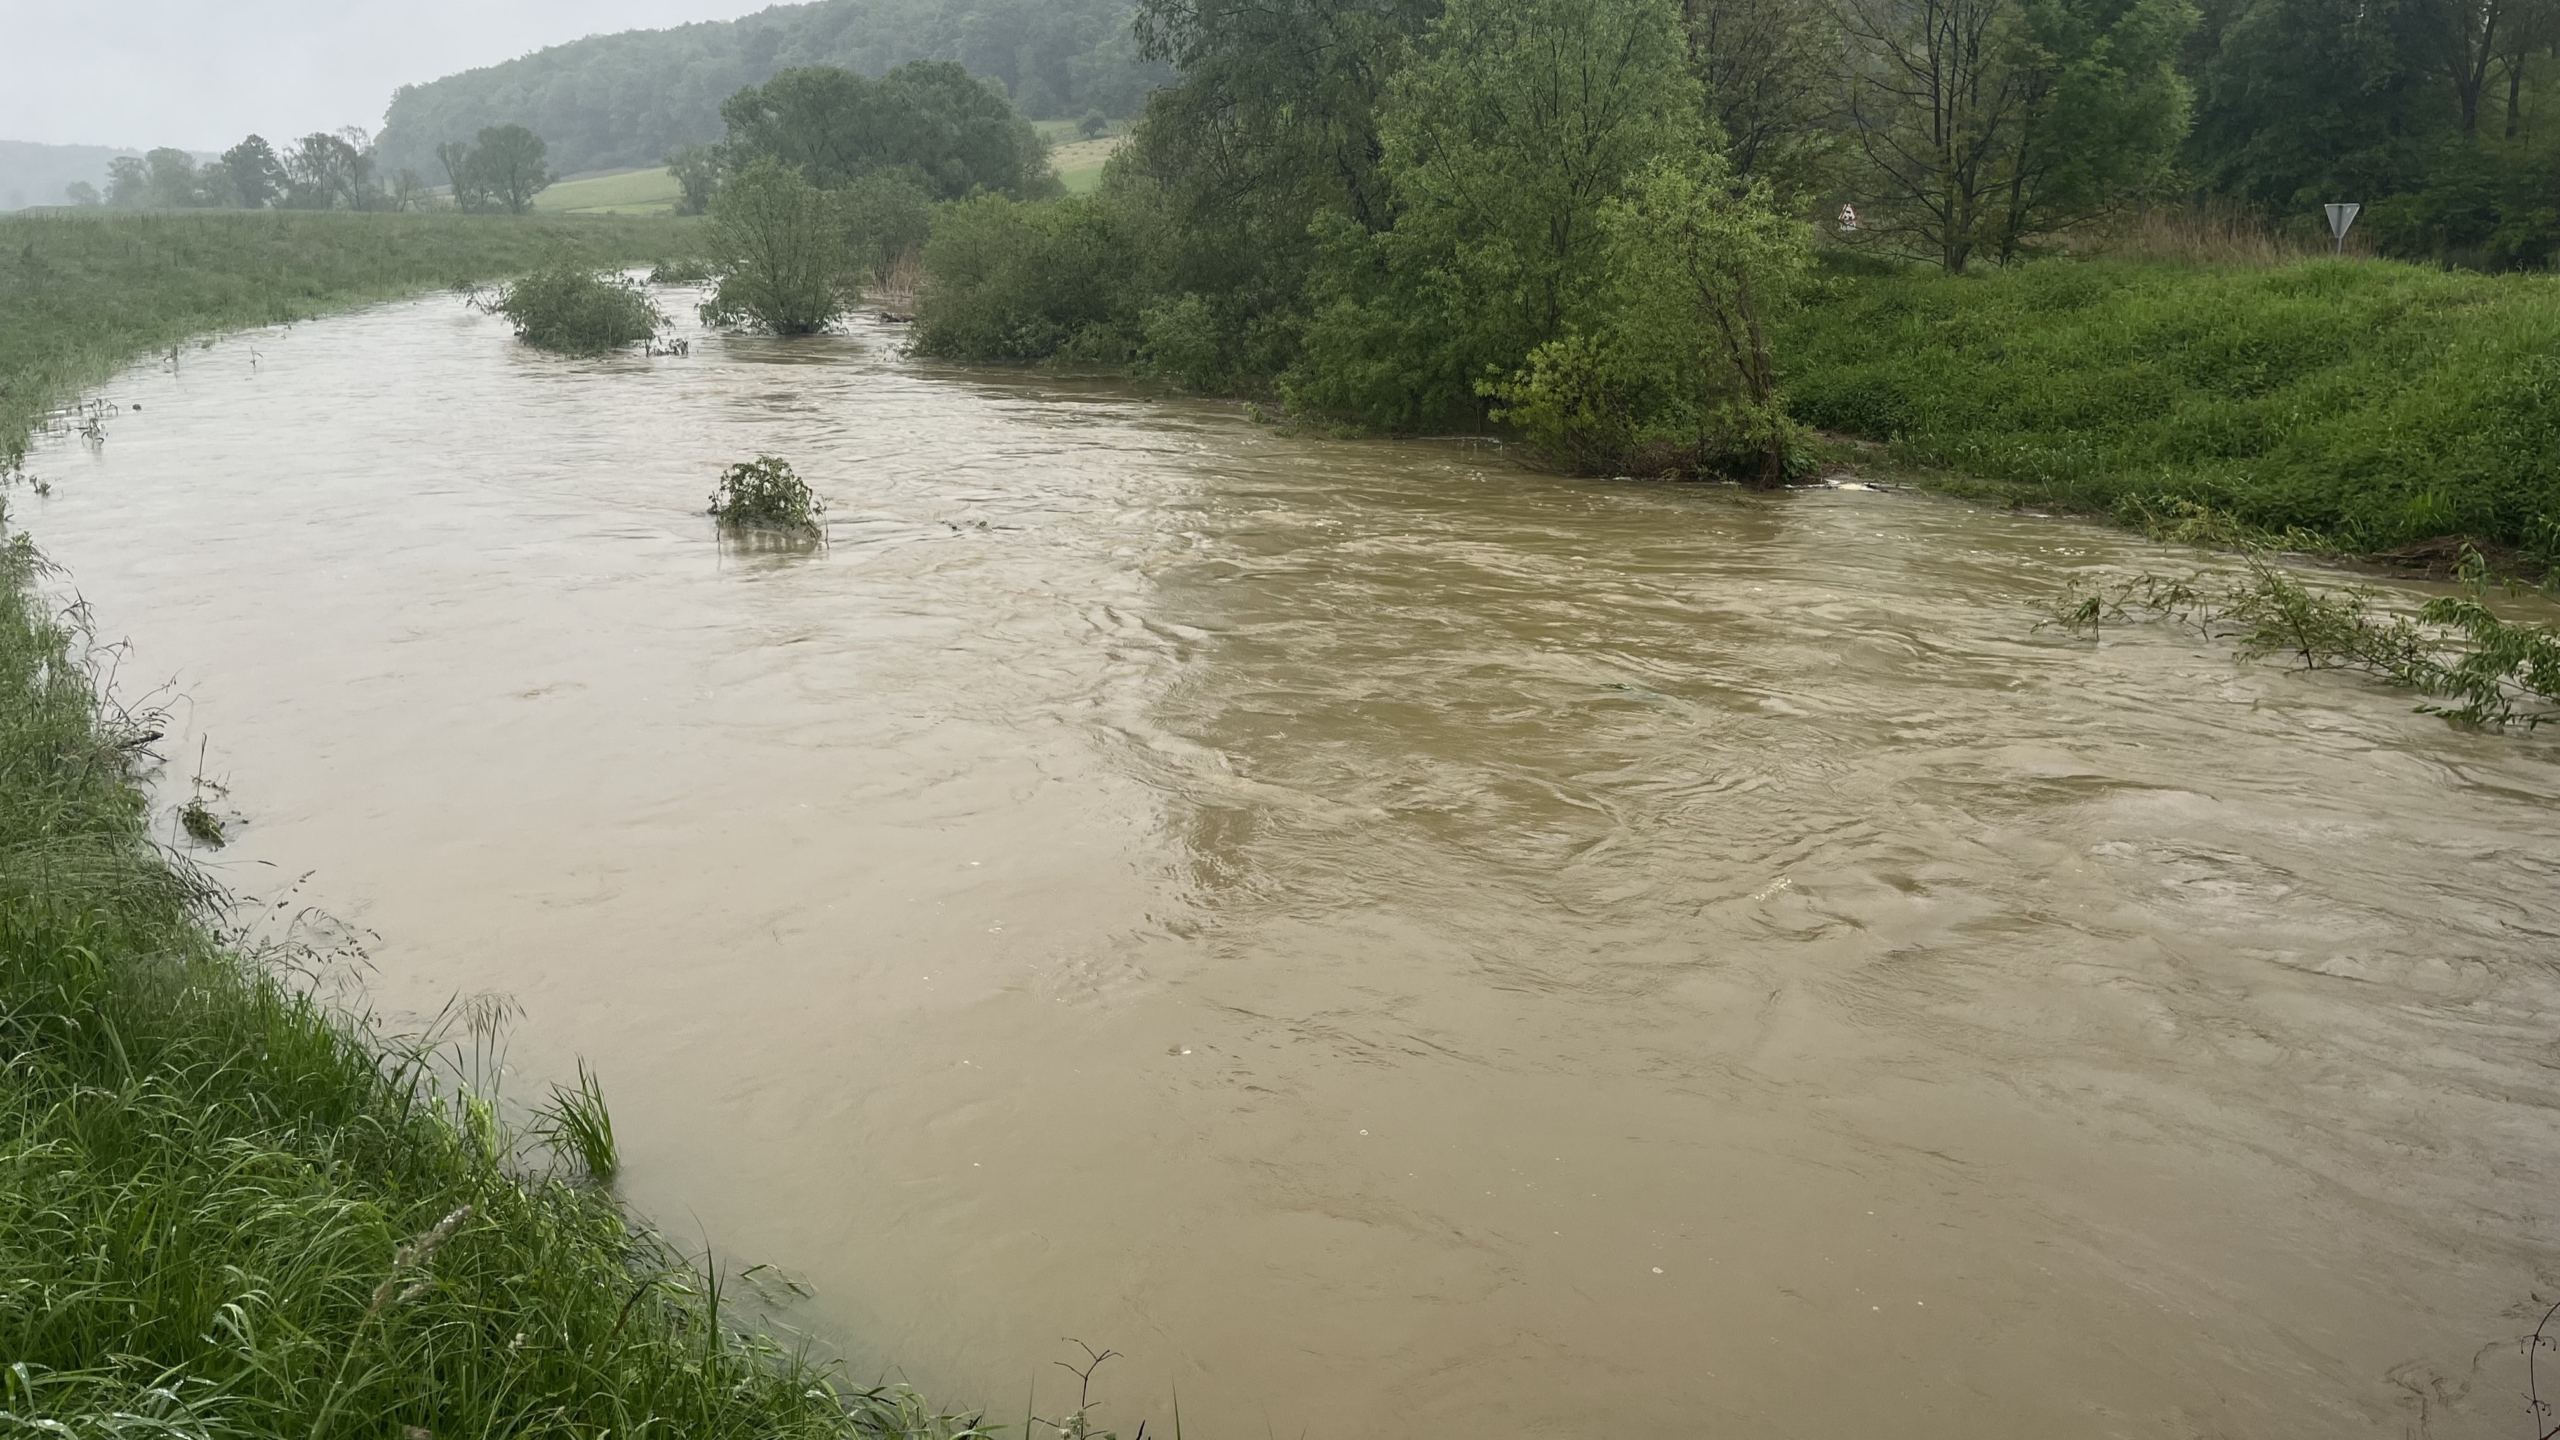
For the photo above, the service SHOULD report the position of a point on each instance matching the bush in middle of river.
(578, 312)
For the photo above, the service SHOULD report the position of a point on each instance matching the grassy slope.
(2375, 403)
(212, 1193)
(82, 296)
(627, 192)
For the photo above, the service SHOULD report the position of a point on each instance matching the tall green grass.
(81, 296)
(2373, 403)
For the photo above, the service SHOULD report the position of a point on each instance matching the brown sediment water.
(1393, 944)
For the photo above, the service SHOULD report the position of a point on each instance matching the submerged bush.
(2475, 667)
(576, 311)
(681, 272)
(765, 494)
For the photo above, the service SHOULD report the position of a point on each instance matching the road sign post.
(2340, 217)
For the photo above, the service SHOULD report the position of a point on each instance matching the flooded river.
(1392, 944)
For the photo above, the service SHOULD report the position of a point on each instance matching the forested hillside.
(627, 99)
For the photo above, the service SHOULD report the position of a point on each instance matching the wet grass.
(2473, 666)
(81, 296)
(228, 1211)
(2358, 405)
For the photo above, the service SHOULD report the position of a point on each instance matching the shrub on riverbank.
(2375, 404)
(82, 295)
(573, 310)
(226, 1212)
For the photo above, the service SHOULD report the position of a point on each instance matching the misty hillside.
(33, 174)
(625, 99)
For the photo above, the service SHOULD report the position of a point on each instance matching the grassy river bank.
(226, 1210)
(2352, 406)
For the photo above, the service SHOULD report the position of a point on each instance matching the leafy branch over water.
(2474, 667)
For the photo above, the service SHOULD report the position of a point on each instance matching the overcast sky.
(200, 74)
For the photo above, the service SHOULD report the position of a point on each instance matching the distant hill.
(620, 100)
(32, 174)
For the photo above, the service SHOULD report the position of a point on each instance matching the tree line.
(1576, 217)
(503, 170)
(627, 98)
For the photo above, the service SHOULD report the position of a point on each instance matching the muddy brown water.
(1393, 944)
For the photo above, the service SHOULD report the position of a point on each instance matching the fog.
(199, 75)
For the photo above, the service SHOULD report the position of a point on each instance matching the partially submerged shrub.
(764, 494)
(2486, 671)
(782, 252)
(681, 272)
(578, 312)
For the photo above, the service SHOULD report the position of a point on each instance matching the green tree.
(331, 172)
(887, 217)
(1701, 263)
(257, 176)
(2306, 101)
(1986, 125)
(1522, 120)
(1092, 125)
(955, 134)
(1770, 70)
(172, 181)
(507, 165)
(461, 178)
(128, 182)
(780, 246)
(696, 169)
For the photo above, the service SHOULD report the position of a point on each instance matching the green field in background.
(625, 192)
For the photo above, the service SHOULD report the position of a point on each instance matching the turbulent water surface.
(1393, 944)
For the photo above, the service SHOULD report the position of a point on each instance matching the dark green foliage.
(1517, 124)
(780, 248)
(682, 271)
(80, 295)
(507, 165)
(1987, 127)
(2305, 101)
(255, 174)
(226, 1213)
(2372, 403)
(1679, 376)
(576, 311)
(766, 494)
(2487, 205)
(1015, 282)
(696, 169)
(629, 98)
(952, 134)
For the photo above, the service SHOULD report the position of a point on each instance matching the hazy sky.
(200, 74)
